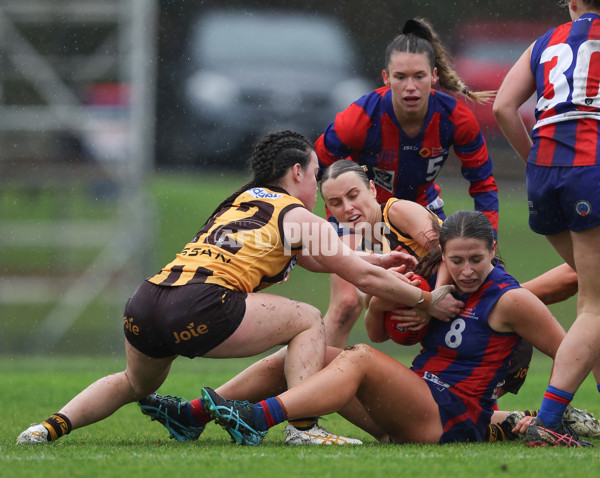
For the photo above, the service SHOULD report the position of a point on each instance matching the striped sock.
(553, 406)
(495, 433)
(196, 413)
(57, 426)
(268, 413)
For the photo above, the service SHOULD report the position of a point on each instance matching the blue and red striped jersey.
(565, 62)
(465, 354)
(406, 167)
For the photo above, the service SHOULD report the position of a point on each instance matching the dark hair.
(467, 224)
(345, 166)
(273, 155)
(418, 36)
(589, 3)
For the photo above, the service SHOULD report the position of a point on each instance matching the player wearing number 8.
(563, 173)
(450, 392)
(403, 133)
(205, 302)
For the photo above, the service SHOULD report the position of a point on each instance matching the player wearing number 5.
(563, 174)
(403, 133)
(205, 303)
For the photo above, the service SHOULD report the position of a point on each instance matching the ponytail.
(418, 36)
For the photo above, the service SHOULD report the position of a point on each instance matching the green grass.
(182, 203)
(129, 444)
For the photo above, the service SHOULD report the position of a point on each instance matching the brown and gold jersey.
(394, 239)
(242, 247)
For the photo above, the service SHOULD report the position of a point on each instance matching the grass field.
(128, 444)
(180, 205)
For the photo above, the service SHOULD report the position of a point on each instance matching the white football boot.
(582, 422)
(35, 434)
(317, 435)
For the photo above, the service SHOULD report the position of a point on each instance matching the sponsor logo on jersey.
(384, 179)
(387, 158)
(260, 193)
(468, 313)
(428, 153)
(437, 203)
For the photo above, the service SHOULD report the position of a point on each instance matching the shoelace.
(567, 439)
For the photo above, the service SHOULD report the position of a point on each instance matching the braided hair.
(418, 36)
(273, 155)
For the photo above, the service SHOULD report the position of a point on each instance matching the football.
(401, 335)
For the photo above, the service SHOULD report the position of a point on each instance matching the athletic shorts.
(519, 366)
(563, 198)
(458, 427)
(187, 320)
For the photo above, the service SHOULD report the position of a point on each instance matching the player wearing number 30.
(563, 173)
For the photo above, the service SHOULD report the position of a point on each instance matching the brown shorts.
(519, 365)
(187, 320)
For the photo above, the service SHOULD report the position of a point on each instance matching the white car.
(247, 72)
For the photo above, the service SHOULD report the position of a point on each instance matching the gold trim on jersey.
(393, 237)
(242, 247)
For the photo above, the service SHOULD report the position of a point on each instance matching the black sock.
(494, 433)
(57, 426)
(304, 423)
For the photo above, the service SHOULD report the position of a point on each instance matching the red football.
(401, 335)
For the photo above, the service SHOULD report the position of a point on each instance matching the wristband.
(425, 300)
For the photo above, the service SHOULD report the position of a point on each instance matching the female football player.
(350, 196)
(563, 173)
(205, 303)
(403, 132)
(449, 393)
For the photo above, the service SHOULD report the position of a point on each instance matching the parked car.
(484, 52)
(247, 72)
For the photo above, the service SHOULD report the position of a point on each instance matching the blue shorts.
(563, 198)
(451, 407)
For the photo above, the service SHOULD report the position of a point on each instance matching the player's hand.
(443, 306)
(396, 259)
(412, 319)
(522, 425)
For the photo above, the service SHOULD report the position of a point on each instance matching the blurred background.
(124, 122)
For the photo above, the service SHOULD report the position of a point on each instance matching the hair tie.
(416, 28)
